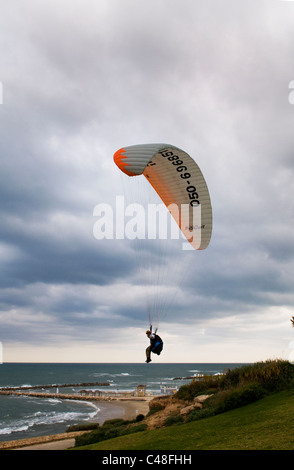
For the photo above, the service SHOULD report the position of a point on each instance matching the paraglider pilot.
(156, 344)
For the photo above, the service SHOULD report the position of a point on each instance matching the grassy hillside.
(264, 425)
(250, 407)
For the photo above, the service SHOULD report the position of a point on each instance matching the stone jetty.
(84, 394)
(40, 387)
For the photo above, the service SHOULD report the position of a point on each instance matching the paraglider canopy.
(178, 181)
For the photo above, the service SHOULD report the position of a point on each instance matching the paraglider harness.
(156, 343)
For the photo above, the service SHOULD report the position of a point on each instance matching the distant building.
(141, 390)
(164, 390)
(93, 393)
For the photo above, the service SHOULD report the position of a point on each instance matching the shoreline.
(125, 408)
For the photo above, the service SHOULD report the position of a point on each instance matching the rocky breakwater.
(85, 395)
(61, 396)
(41, 391)
(41, 387)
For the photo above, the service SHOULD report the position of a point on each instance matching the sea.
(23, 417)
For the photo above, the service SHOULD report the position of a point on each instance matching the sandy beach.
(126, 408)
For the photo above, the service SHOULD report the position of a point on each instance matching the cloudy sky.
(83, 78)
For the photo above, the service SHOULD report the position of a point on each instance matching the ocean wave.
(91, 405)
(50, 417)
(15, 428)
(54, 401)
(119, 374)
(38, 419)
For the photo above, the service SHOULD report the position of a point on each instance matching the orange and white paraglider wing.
(178, 181)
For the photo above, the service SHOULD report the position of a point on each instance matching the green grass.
(267, 424)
